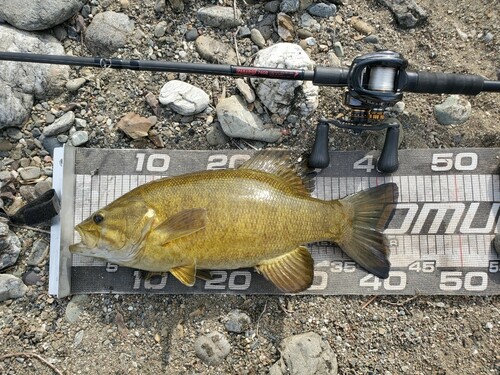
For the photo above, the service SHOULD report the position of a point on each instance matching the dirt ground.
(153, 334)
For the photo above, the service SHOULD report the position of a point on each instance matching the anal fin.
(185, 274)
(292, 272)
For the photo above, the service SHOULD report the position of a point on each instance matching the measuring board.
(440, 234)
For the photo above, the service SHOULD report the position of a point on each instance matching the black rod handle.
(319, 157)
(388, 161)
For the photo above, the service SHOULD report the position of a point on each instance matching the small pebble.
(238, 321)
(79, 138)
(75, 84)
(212, 348)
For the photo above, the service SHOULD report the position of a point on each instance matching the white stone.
(183, 97)
(280, 95)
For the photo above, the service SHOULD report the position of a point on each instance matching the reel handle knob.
(388, 161)
(319, 157)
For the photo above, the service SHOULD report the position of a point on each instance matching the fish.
(260, 215)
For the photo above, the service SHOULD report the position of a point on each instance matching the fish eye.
(98, 218)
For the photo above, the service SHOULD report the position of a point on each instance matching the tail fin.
(365, 243)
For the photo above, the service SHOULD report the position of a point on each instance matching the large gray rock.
(215, 51)
(107, 32)
(408, 13)
(238, 122)
(10, 247)
(280, 95)
(21, 82)
(34, 15)
(305, 354)
(220, 17)
(11, 287)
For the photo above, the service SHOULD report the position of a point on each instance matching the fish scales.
(251, 216)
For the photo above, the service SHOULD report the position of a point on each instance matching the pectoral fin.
(292, 272)
(185, 274)
(182, 224)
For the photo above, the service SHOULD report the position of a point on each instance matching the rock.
(305, 354)
(191, 34)
(60, 125)
(278, 95)
(216, 136)
(244, 32)
(322, 10)
(78, 338)
(184, 98)
(272, 6)
(21, 83)
(333, 60)
(11, 287)
(362, 26)
(215, 51)
(134, 125)
(245, 90)
(75, 84)
(14, 133)
(286, 28)
(100, 40)
(160, 6)
(4, 229)
(27, 192)
(5, 145)
(290, 6)
(238, 321)
(50, 143)
(338, 49)
(30, 173)
(42, 187)
(49, 117)
(38, 253)
(408, 14)
(238, 122)
(161, 29)
(177, 5)
(74, 308)
(371, 39)
(212, 348)
(31, 278)
(78, 138)
(257, 38)
(309, 23)
(34, 15)
(220, 17)
(10, 247)
(454, 110)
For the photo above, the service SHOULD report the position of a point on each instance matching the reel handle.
(319, 157)
(388, 161)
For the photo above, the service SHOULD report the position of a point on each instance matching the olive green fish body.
(251, 216)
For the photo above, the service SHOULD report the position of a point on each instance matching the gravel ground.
(145, 334)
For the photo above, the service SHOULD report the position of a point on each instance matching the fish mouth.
(87, 241)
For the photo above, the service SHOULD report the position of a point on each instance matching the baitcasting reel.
(375, 83)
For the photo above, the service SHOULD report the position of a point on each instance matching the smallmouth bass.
(258, 215)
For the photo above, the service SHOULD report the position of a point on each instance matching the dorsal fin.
(278, 163)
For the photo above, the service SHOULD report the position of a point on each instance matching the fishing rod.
(375, 82)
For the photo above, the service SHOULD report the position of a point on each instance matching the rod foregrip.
(388, 161)
(319, 157)
(444, 83)
(324, 76)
